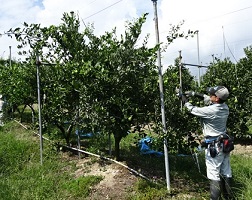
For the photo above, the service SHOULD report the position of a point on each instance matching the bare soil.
(117, 180)
(245, 150)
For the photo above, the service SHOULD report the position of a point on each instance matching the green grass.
(23, 177)
(242, 173)
(81, 186)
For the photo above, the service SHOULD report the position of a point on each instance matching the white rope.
(92, 154)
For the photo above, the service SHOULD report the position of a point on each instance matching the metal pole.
(79, 146)
(194, 65)
(78, 130)
(161, 96)
(198, 56)
(10, 55)
(223, 35)
(180, 78)
(39, 109)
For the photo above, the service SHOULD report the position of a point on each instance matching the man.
(213, 120)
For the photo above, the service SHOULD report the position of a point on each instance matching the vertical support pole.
(10, 55)
(78, 128)
(198, 57)
(224, 42)
(79, 146)
(180, 78)
(39, 110)
(161, 97)
(109, 144)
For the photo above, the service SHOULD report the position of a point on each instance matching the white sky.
(215, 20)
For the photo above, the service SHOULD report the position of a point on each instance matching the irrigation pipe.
(92, 154)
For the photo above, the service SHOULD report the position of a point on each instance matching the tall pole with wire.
(198, 56)
(223, 35)
(161, 88)
(10, 55)
(39, 110)
(180, 77)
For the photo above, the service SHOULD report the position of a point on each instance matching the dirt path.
(117, 180)
(243, 150)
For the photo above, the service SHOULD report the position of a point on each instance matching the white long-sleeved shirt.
(213, 118)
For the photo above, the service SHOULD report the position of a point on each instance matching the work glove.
(192, 94)
(189, 93)
(207, 100)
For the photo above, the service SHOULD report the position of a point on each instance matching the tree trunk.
(61, 128)
(68, 134)
(33, 113)
(22, 112)
(117, 147)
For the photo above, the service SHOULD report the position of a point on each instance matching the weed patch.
(81, 186)
(23, 177)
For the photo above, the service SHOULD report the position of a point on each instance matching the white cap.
(220, 91)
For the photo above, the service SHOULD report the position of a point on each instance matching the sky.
(224, 26)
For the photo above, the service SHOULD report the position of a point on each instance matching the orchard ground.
(118, 181)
